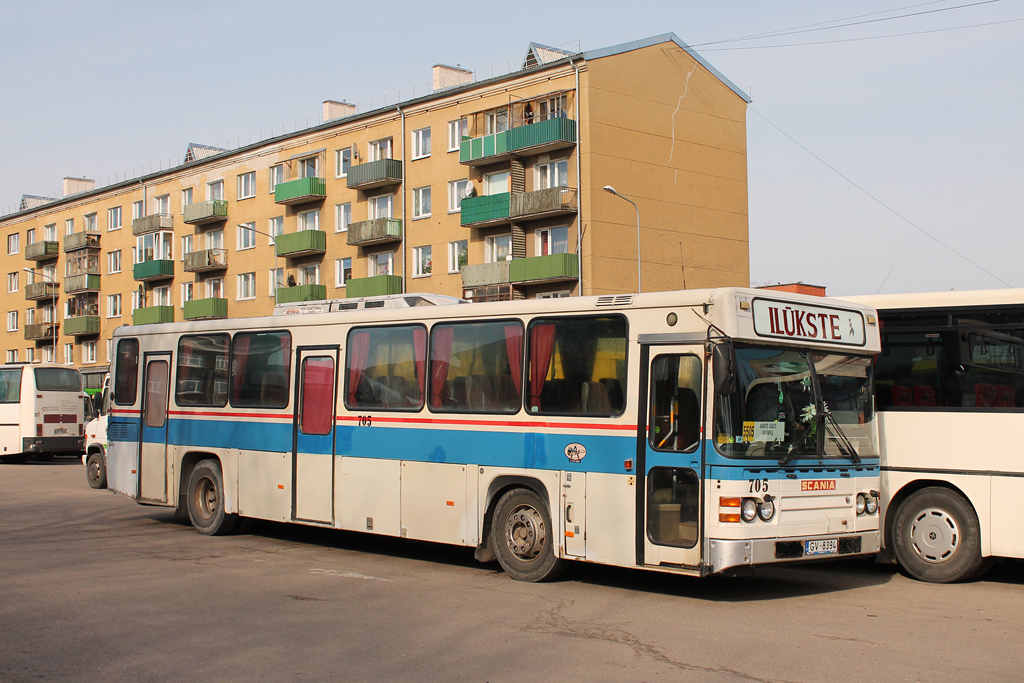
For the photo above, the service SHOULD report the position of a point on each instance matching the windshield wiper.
(836, 433)
(812, 430)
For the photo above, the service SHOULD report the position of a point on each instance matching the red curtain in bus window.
(317, 411)
(240, 360)
(440, 356)
(358, 352)
(514, 346)
(542, 344)
(419, 349)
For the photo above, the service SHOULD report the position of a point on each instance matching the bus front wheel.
(96, 471)
(523, 538)
(206, 500)
(937, 537)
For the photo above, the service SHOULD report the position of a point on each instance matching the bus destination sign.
(788, 320)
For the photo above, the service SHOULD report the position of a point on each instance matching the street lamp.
(53, 322)
(609, 188)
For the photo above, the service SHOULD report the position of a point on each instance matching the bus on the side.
(42, 411)
(950, 388)
(691, 432)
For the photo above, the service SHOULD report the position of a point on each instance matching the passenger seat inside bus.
(594, 397)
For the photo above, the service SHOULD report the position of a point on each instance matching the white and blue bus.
(691, 432)
(42, 411)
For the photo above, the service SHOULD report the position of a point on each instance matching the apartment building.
(487, 189)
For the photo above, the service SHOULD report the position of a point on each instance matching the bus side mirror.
(724, 369)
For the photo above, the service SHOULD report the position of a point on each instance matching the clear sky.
(875, 164)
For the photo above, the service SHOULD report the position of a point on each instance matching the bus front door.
(153, 436)
(670, 502)
(313, 429)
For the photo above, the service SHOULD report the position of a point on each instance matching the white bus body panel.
(314, 483)
(123, 466)
(370, 494)
(264, 491)
(435, 500)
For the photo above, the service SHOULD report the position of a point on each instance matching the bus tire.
(96, 471)
(523, 538)
(936, 536)
(206, 500)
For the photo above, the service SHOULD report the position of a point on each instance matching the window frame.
(349, 375)
(421, 143)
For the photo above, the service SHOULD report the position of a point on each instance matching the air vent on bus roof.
(616, 300)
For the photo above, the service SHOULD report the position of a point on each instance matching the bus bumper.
(53, 444)
(725, 554)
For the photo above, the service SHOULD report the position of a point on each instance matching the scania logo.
(575, 452)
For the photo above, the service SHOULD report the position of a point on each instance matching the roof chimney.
(448, 76)
(76, 185)
(337, 110)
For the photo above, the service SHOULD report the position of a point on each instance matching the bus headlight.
(871, 504)
(862, 503)
(748, 509)
(766, 510)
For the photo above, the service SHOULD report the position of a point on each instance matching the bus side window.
(675, 406)
(385, 368)
(260, 369)
(126, 372)
(476, 367)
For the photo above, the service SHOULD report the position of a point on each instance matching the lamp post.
(53, 292)
(609, 188)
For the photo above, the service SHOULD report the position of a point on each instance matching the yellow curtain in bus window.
(754, 432)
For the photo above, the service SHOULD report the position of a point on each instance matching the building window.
(552, 241)
(12, 281)
(48, 354)
(458, 255)
(380, 207)
(275, 228)
(136, 300)
(246, 236)
(456, 131)
(187, 292)
(276, 176)
(276, 278)
(89, 352)
(215, 190)
(457, 191)
(137, 210)
(69, 226)
(553, 108)
(308, 167)
(309, 220)
(30, 236)
(496, 183)
(380, 149)
(496, 121)
(498, 248)
(421, 202)
(342, 217)
(114, 218)
(342, 161)
(553, 174)
(246, 286)
(215, 239)
(12, 356)
(422, 262)
(154, 246)
(162, 296)
(12, 321)
(186, 245)
(30, 316)
(247, 185)
(421, 143)
(30, 354)
(113, 262)
(90, 223)
(69, 354)
(309, 274)
(13, 243)
(564, 294)
(342, 271)
(163, 204)
(50, 231)
(381, 264)
(113, 305)
(215, 288)
(186, 198)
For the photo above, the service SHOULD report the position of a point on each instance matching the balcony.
(300, 191)
(153, 314)
(290, 295)
(81, 240)
(82, 325)
(86, 282)
(535, 138)
(481, 211)
(40, 251)
(375, 231)
(205, 309)
(200, 213)
(374, 286)
(207, 259)
(301, 243)
(41, 290)
(549, 202)
(374, 174)
(152, 223)
(160, 269)
(482, 274)
(41, 331)
(550, 268)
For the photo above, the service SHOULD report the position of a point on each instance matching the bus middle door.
(672, 456)
(313, 429)
(153, 436)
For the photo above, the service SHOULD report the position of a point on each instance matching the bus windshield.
(58, 379)
(790, 403)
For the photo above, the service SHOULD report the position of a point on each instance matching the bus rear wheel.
(96, 471)
(937, 537)
(523, 538)
(206, 500)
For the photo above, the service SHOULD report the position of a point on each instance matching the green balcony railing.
(152, 223)
(153, 270)
(374, 286)
(487, 210)
(37, 251)
(153, 314)
(300, 191)
(41, 290)
(549, 134)
(550, 268)
(82, 325)
(485, 147)
(375, 230)
(290, 295)
(204, 309)
(81, 240)
(374, 174)
(482, 274)
(86, 282)
(301, 243)
(210, 211)
(41, 331)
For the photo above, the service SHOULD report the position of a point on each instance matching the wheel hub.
(525, 533)
(206, 497)
(935, 535)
